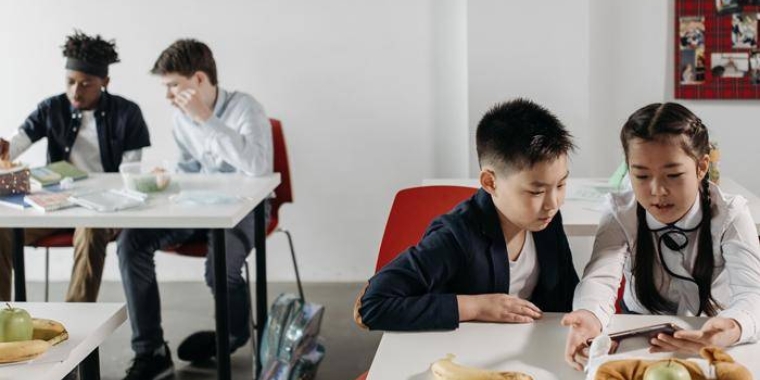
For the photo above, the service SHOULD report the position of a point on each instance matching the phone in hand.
(647, 332)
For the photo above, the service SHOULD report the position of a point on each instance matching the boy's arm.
(247, 145)
(136, 131)
(409, 293)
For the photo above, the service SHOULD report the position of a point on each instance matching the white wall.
(376, 96)
(533, 49)
(351, 81)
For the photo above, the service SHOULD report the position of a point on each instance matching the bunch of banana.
(446, 369)
(47, 333)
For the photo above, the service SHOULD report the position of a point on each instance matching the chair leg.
(295, 264)
(47, 272)
(254, 338)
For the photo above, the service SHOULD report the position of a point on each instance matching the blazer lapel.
(491, 227)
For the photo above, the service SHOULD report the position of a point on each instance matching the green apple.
(15, 325)
(667, 370)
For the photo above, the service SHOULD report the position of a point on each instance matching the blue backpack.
(290, 349)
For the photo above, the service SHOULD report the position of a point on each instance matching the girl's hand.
(583, 326)
(717, 332)
(497, 308)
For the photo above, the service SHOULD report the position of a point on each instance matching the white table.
(581, 217)
(162, 213)
(536, 349)
(88, 325)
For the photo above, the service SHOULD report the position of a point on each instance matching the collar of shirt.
(689, 221)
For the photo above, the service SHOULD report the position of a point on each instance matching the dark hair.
(672, 122)
(517, 134)
(94, 50)
(186, 57)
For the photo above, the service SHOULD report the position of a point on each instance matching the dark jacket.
(462, 252)
(119, 121)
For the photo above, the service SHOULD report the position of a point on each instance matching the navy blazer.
(462, 252)
(119, 122)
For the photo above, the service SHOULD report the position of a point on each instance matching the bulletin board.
(716, 49)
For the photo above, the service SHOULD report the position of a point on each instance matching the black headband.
(99, 70)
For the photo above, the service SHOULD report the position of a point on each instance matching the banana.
(51, 331)
(446, 369)
(24, 350)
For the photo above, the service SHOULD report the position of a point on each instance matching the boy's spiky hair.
(518, 134)
(94, 50)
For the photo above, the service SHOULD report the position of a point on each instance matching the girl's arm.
(741, 252)
(597, 290)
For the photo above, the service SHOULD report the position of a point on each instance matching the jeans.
(136, 252)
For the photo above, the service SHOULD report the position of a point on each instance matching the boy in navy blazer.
(500, 256)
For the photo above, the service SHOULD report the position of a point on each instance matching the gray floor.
(188, 306)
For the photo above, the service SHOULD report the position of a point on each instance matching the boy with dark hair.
(94, 130)
(216, 131)
(502, 255)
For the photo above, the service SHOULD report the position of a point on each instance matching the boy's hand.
(189, 101)
(583, 326)
(496, 308)
(717, 331)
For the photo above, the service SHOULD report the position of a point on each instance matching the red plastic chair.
(412, 211)
(283, 194)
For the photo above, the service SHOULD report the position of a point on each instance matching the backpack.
(290, 349)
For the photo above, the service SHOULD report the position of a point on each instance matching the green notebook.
(54, 173)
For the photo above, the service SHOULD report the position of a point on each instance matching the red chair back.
(412, 211)
(283, 192)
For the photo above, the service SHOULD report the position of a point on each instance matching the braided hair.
(658, 122)
(94, 50)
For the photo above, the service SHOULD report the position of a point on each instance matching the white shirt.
(736, 277)
(523, 272)
(237, 138)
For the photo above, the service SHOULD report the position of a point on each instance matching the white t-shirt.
(523, 272)
(85, 153)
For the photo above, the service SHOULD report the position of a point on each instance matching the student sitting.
(502, 255)
(683, 246)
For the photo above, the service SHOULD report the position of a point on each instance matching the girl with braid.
(682, 245)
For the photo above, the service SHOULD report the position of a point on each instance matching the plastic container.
(145, 182)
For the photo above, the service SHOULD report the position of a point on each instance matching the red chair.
(62, 239)
(412, 211)
(283, 194)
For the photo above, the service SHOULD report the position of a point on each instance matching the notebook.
(107, 200)
(54, 173)
(49, 201)
(14, 201)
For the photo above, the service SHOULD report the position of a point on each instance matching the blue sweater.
(462, 252)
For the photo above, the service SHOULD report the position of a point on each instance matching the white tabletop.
(88, 325)
(536, 349)
(159, 210)
(581, 217)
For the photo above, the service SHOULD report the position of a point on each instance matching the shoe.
(198, 347)
(155, 366)
(201, 346)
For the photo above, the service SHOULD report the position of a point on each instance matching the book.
(53, 173)
(49, 201)
(14, 200)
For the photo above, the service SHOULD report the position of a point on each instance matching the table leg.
(222, 307)
(261, 278)
(19, 274)
(89, 368)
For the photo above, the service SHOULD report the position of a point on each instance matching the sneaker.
(155, 366)
(201, 346)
